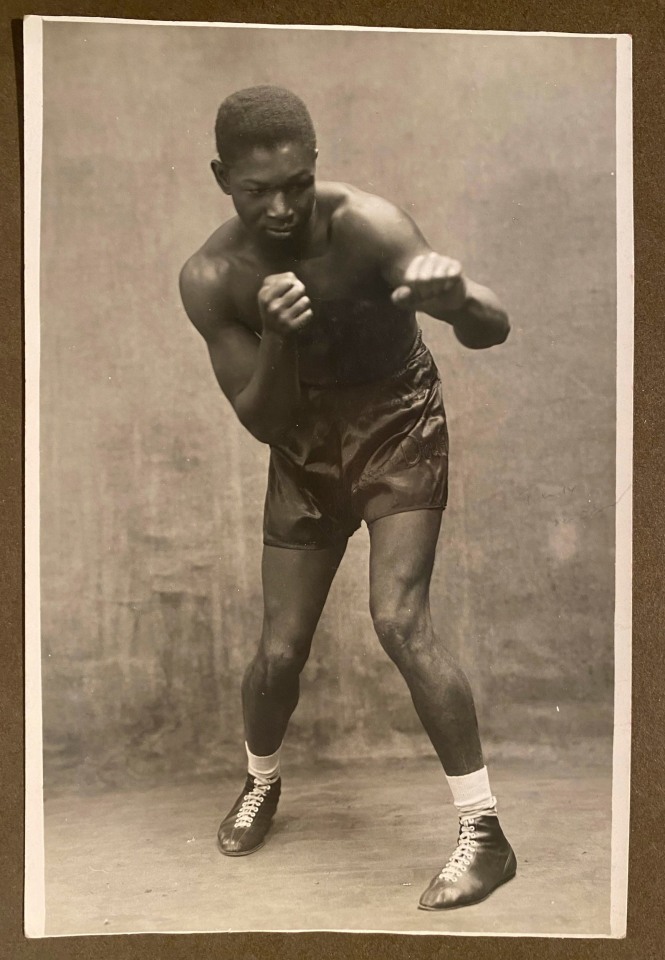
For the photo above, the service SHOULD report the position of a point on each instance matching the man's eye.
(256, 192)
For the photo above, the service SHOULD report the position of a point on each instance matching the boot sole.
(470, 903)
(239, 853)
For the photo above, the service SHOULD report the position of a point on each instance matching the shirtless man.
(307, 302)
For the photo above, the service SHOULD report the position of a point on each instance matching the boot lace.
(463, 853)
(251, 803)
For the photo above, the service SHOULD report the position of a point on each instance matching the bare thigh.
(403, 549)
(295, 589)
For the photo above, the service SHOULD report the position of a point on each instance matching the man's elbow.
(497, 336)
(264, 429)
(254, 425)
(260, 434)
(503, 329)
(483, 337)
(270, 435)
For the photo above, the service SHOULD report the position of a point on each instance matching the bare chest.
(332, 279)
(356, 332)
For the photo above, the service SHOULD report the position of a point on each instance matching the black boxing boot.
(482, 861)
(244, 828)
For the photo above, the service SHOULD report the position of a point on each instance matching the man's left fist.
(429, 277)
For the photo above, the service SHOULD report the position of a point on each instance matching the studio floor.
(352, 847)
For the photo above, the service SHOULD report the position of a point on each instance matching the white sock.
(263, 769)
(472, 794)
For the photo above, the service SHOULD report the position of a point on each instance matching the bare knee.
(404, 630)
(281, 656)
(276, 668)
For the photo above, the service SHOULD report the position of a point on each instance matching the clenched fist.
(428, 277)
(283, 305)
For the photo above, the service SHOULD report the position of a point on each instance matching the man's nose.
(278, 207)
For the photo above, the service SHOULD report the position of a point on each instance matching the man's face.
(272, 188)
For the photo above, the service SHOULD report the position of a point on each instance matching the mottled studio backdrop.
(502, 148)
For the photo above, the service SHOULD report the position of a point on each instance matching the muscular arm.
(474, 312)
(424, 280)
(258, 377)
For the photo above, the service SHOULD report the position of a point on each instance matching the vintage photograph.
(328, 479)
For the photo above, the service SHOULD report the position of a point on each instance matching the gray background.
(503, 150)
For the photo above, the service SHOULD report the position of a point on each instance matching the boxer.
(307, 302)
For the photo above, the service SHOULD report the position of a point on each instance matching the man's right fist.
(283, 306)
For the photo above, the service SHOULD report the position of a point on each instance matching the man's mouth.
(278, 231)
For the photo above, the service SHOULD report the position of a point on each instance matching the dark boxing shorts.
(359, 452)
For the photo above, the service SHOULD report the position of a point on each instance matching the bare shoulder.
(371, 220)
(205, 281)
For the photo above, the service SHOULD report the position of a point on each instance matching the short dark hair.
(262, 116)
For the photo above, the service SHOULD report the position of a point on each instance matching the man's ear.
(221, 175)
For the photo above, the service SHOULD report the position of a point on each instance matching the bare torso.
(356, 333)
